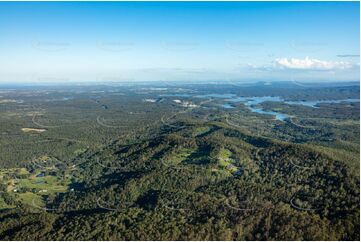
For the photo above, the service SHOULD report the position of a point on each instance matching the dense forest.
(133, 164)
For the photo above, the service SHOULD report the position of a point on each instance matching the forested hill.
(204, 181)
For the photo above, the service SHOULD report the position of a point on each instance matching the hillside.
(195, 181)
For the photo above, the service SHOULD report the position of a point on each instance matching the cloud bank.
(311, 64)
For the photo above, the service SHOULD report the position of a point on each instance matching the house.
(42, 174)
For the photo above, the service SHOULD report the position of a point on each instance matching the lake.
(252, 102)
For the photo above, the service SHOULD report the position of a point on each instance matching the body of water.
(252, 102)
(314, 104)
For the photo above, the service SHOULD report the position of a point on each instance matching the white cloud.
(311, 64)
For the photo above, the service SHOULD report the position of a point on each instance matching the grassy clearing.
(224, 157)
(15, 171)
(31, 199)
(79, 151)
(27, 187)
(47, 184)
(225, 161)
(182, 155)
(200, 130)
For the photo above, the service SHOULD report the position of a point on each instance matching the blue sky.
(176, 41)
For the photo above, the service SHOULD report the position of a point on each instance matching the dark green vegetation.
(130, 163)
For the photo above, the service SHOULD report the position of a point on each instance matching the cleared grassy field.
(28, 188)
(31, 199)
(46, 184)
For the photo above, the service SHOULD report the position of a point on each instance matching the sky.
(179, 41)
